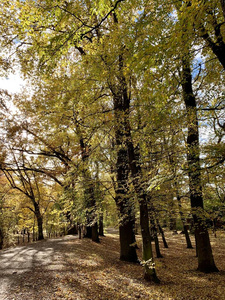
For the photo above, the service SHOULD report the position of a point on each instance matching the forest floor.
(69, 268)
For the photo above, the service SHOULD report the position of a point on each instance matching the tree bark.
(150, 273)
(155, 236)
(79, 231)
(94, 232)
(185, 229)
(88, 231)
(205, 257)
(89, 192)
(122, 198)
(126, 212)
(223, 7)
(101, 225)
(1, 238)
(162, 234)
(127, 241)
(39, 221)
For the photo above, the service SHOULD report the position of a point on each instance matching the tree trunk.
(155, 236)
(39, 221)
(124, 141)
(123, 201)
(34, 230)
(89, 191)
(150, 272)
(94, 233)
(40, 228)
(126, 213)
(185, 227)
(101, 228)
(187, 236)
(217, 48)
(205, 258)
(90, 204)
(127, 241)
(79, 231)
(1, 238)
(162, 234)
(88, 232)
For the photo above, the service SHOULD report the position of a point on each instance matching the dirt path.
(31, 269)
(69, 268)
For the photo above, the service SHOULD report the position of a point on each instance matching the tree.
(25, 180)
(209, 20)
(205, 258)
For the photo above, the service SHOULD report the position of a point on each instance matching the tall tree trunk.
(126, 212)
(94, 232)
(88, 230)
(79, 231)
(89, 191)
(162, 234)
(205, 257)
(127, 241)
(34, 228)
(125, 155)
(101, 225)
(90, 204)
(122, 198)
(185, 227)
(187, 236)
(1, 238)
(39, 221)
(155, 236)
(150, 272)
(99, 195)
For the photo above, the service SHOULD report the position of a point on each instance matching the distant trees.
(23, 178)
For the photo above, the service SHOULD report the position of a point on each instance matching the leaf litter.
(69, 268)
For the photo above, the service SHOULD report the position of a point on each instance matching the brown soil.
(69, 268)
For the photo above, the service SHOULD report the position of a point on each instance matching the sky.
(13, 83)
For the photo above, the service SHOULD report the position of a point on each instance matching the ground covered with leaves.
(69, 268)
